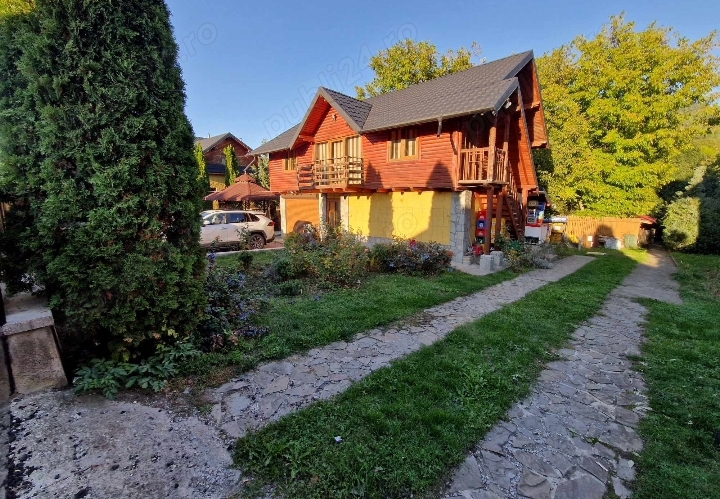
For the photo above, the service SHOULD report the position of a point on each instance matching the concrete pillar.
(461, 223)
(345, 213)
(283, 216)
(498, 257)
(486, 262)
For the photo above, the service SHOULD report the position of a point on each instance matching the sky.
(252, 68)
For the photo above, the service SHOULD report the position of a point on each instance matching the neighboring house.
(215, 158)
(418, 162)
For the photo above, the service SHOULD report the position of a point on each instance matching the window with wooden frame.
(403, 143)
(290, 161)
(352, 148)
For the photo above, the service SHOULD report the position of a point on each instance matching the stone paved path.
(574, 436)
(279, 388)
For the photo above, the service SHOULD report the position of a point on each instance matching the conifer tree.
(231, 166)
(203, 175)
(114, 187)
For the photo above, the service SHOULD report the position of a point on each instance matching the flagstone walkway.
(574, 436)
(279, 388)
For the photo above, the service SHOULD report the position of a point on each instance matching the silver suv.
(227, 228)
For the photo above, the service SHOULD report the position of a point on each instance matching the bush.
(410, 257)
(681, 223)
(109, 376)
(337, 259)
(293, 287)
(245, 259)
(229, 310)
(282, 269)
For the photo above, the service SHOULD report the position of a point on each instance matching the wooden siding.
(433, 168)
(301, 208)
(216, 156)
(580, 227)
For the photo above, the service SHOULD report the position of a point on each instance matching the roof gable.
(211, 142)
(479, 89)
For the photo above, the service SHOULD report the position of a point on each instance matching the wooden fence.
(580, 227)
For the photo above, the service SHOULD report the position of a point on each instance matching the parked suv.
(227, 227)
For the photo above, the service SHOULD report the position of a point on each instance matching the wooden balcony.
(339, 173)
(483, 166)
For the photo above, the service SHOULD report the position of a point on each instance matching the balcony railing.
(338, 173)
(477, 169)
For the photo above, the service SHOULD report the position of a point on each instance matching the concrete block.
(35, 361)
(498, 257)
(486, 262)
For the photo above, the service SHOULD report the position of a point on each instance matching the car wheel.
(257, 241)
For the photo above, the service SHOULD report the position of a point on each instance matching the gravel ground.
(68, 446)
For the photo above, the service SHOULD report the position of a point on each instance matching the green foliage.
(262, 174)
(245, 259)
(337, 259)
(230, 309)
(408, 62)
(682, 223)
(107, 174)
(292, 287)
(410, 257)
(231, 165)
(110, 376)
(203, 176)
(20, 152)
(680, 366)
(405, 427)
(619, 106)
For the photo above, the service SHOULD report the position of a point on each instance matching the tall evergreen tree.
(19, 151)
(117, 226)
(232, 166)
(262, 174)
(203, 175)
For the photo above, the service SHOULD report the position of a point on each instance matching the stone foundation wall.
(461, 223)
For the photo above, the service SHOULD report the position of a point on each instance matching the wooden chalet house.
(419, 162)
(215, 158)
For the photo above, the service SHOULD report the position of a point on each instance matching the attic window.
(403, 143)
(290, 161)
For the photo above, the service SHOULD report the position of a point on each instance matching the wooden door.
(333, 212)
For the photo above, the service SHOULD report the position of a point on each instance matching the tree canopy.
(409, 62)
(231, 165)
(619, 107)
(203, 175)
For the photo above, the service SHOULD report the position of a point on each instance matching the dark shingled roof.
(209, 142)
(215, 168)
(478, 89)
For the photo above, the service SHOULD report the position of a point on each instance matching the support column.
(283, 216)
(492, 139)
(461, 223)
(322, 211)
(498, 217)
(345, 212)
(488, 219)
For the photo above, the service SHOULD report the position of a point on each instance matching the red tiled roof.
(245, 188)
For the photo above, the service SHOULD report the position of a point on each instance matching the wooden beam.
(539, 143)
(400, 189)
(488, 218)
(307, 138)
(498, 219)
(383, 191)
(532, 105)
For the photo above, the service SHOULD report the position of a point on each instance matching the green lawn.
(297, 324)
(681, 366)
(406, 427)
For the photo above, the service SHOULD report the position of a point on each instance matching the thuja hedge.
(97, 152)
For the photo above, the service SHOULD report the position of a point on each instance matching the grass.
(681, 366)
(405, 427)
(297, 324)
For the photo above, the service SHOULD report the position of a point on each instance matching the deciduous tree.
(619, 106)
(409, 62)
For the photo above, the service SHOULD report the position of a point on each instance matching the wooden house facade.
(214, 156)
(419, 162)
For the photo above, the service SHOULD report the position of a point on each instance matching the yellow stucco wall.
(424, 216)
(217, 181)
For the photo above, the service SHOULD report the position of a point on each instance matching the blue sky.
(251, 68)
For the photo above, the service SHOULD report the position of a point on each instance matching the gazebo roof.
(245, 188)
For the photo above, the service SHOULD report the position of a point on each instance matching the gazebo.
(245, 189)
(245, 193)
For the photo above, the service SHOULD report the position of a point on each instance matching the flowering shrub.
(337, 259)
(229, 309)
(410, 257)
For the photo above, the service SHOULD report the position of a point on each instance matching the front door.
(333, 212)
